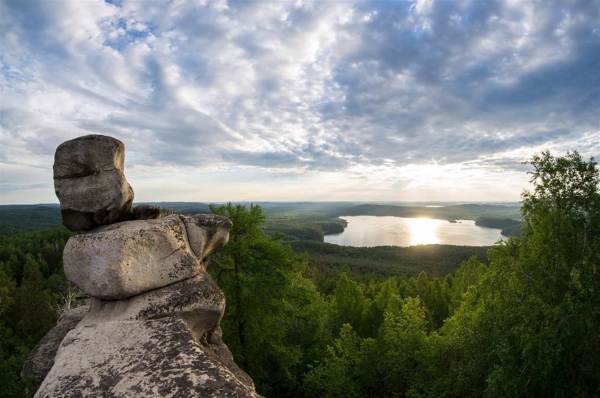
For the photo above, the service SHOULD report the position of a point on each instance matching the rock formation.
(125, 259)
(90, 184)
(152, 327)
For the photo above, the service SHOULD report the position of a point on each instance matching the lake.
(368, 231)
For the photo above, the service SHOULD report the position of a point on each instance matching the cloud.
(302, 87)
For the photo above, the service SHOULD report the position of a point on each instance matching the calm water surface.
(368, 231)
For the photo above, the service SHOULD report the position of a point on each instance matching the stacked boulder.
(152, 328)
(90, 183)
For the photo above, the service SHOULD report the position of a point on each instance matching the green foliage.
(384, 366)
(469, 274)
(298, 225)
(531, 326)
(513, 230)
(17, 219)
(347, 304)
(338, 375)
(383, 262)
(526, 326)
(275, 319)
(31, 289)
(509, 226)
(425, 321)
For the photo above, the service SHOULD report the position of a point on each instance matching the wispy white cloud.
(270, 91)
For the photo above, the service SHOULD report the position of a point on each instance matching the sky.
(300, 100)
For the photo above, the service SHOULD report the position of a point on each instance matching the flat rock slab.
(155, 358)
(90, 183)
(198, 301)
(129, 258)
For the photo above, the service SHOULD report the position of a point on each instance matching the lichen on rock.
(153, 358)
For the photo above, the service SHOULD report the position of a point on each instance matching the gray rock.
(129, 258)
(206, 233)
(198, 301)
(217, 349)
(90, 184)
(154, 358)
(41, 358)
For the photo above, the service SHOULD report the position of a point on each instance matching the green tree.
(34, 304)
(274, 318)
(531, 327)
(469, 274)
(245, 239)
(348, 304)
(384, 292)
(337, 376)
(386, 366)
(402, 337)
(30, 294)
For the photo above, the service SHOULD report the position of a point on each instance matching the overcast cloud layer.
(276, 100)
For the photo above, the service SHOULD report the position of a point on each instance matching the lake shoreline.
(381, 230)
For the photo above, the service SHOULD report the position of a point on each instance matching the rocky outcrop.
(152, 328)
(198, 301)
(90, 184)
(153, 358)
(129, 258)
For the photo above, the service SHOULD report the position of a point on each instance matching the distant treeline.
(296, 220)
(33, 290)
(16, 219)
(385, 261)
(450, 213)
(509, 226)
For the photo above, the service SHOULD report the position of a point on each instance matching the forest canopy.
(526, 325)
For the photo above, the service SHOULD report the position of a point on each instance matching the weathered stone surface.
(206, 233)
(90, 184)
(154, 358)
(129, 258)
(198, 301)
(220, 351)
(41, 359)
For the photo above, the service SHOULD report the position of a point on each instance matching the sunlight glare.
(423, 231)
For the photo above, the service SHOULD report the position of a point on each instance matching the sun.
(423, 231)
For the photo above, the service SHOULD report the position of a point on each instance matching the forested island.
(310, 319)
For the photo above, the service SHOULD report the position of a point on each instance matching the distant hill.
(450, 213)
(181, 207)
(298, 220)
(15, 219)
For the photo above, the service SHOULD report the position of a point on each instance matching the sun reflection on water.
(423, 231)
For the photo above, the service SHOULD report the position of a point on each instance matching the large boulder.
(198, 301)
(153, 358)
(90, 184)
(129, 258)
